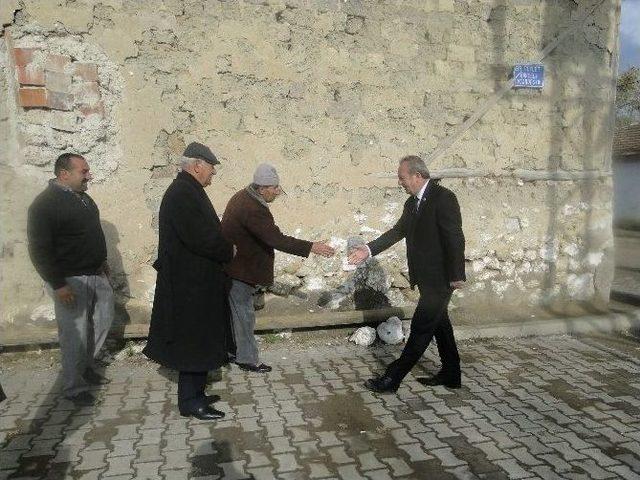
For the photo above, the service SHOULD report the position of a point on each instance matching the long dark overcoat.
(190, 323)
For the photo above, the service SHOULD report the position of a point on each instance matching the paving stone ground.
(544, 407)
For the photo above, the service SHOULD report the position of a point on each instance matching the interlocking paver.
(92, 459)
(287, 462)
(119, 466)
(553, 407)
(147, 470)
(398, 466)
(594, 470)
(339, 455)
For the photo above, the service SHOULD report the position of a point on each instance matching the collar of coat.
(253, 193)
(182, 175)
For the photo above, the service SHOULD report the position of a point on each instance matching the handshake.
(357, 253)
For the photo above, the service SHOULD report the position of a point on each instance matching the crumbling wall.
(333, 93)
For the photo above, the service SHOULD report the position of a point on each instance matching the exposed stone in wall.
(333, 93)
(66, 102)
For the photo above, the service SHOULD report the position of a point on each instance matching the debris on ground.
(364, 336)
(390, 331)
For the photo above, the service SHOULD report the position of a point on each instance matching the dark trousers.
(191, 387)
(430, 319)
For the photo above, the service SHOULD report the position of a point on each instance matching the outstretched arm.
(262, 225)
(380, 244)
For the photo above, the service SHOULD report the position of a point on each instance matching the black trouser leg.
(447, 349)
(430, 311)
(191, 387)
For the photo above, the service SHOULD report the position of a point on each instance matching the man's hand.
(107, 273)
(321, 248)
(235, 251)
(358, 255)
(457, 284)
(65, 295)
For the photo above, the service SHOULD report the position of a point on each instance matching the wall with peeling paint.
(333, 93)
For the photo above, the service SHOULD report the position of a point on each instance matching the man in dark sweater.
(68, 249)
(248, 224)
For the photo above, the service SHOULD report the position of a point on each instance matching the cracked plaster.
(333, 94)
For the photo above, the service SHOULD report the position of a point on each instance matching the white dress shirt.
(421, 194)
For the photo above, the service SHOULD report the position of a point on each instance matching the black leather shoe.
(440, 380)
(211, 399)
(384, 384)
(262, 368)
(93, 378)
(204, 413)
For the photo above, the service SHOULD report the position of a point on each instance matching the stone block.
(33, 97)
(63, 121)
(57, 82)
(23, 56)
(60, 101)
(86, 72)
(87, 93)
(354, 24)
(57, 63)
(30, 75)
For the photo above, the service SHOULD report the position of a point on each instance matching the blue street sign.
(528, 75)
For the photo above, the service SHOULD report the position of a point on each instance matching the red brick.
(33, 97)
(23, 56)
(87, 72)
(57, 63)
(97, 109)
(30, 75)
(60, 101)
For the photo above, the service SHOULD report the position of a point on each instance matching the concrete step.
(626, 286)
(627, 245)
(623, 319)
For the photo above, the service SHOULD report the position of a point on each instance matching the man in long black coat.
(432, 226)
(190, 327)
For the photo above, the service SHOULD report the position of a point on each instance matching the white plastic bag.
(391, 331)
(364, 336)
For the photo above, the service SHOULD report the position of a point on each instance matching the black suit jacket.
(435, 242)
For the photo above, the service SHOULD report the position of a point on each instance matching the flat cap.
(198, 150)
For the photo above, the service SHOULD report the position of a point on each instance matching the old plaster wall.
(333, 93)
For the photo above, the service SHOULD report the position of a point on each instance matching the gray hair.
(187, 162)
(416, 165)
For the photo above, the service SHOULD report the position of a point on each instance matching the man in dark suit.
(190, 328)
(432, 226)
